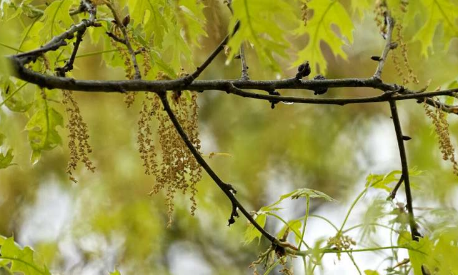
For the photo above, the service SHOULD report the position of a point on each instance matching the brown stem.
(405, 170)
(188, 80)
(123, 29)
(388, 46)
(245, 75)
(396, 188)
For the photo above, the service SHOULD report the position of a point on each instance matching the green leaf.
(303, 192)
(13, 99)
(375, 211)
(371, 272)
(326, 15)
(56, 19)
(22, 260)
(436, 15)
(293, 225)
(310, 193)
(251, 232)
(256, 26)
(193, 20)
(360, 6)
(6, 160)
(116, 272)
(42, 130)
(404, 238)
(381, 181)
(177, 46)
(151, 14)
(421, 252)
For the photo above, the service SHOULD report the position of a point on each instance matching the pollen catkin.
(441, 127)
(380, 11)
(78, 136)
(144, 138)
(411, 77)
(304, 11)
(176, 169)
(129, 98)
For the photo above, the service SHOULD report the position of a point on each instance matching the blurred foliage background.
(107, 220)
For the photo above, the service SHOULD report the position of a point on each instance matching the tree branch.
(58, 41)
(245, 75)
(395, 189)
(226, 188)
(388, 45)
(188, 80)
(69, 63)
(397, 126)
(126, 40)
(232, 86)
(405, 170)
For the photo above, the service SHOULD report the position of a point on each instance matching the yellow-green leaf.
(263, 23)
(436, 15)
(251, 233)
(42, 130)
(56, 19)
(326, 14)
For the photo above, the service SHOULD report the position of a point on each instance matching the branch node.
(320, 90)
(234, 214)
(273, 102)
(303, 70)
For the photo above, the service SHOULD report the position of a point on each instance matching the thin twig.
(226, 188)
(245, 75)
(123, 29)
(405, 170)
(69, 63)
(388, 46)
(116, 38)
(242, 51)
(395, 189)
(210, 58)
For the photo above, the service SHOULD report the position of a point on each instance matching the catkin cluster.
(399, 54)
(175, 169)
(410, 76)
(341, 242)
(128, 64)
(305, 11)
(77, 137)
(380, 11)
(441, 127)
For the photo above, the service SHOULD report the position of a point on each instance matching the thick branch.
(405, 170)
(227, 189)
(232, 86)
